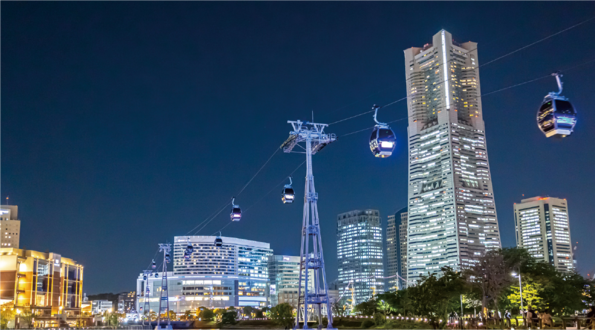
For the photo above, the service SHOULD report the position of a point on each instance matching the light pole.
(520, 292)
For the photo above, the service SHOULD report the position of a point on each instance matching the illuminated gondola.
(382, 140)
(153, 264)
(167, 257)
(287, 195)
(556, 117)
(236, 212)
(218, 241)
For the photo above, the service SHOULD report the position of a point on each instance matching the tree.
(188, 315)
(26, 318)
(206, 314)
(248, 311)
(282, 314)
(228, 318)
(258, 313)
(172, 315)
(152, 315)
(397, 301)
(530, 296)
(434, 297)
(6, 315)
(491, 275)
(367, 308)
(338, 307)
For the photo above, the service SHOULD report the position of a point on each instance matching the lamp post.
(520, 292)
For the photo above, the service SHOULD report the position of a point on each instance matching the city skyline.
(120, 133)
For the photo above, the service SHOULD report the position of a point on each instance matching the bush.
(367, 323)
(379, 319)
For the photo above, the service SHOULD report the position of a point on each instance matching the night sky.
(124, 124)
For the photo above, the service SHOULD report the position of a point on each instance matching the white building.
(101, 306)
(452, 213)
(542, 227)
(234, 274)
(10, 226)
(284, 278)
(360, 254)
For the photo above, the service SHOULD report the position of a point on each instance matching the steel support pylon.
(166, 249)
(147, 305)
(312, 267)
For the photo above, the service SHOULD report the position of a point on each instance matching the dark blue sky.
(124, 124)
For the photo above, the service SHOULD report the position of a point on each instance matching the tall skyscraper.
(359, 252)
(542, 227)
(10, 226)
(452, 213)
(396, 249)
(284, 274)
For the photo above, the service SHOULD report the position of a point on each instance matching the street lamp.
(520, 292)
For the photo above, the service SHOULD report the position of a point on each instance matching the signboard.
(428, 186)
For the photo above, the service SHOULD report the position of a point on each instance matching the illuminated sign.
(285, 258)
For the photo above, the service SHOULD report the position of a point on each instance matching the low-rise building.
(47, 283)
(127, 302)
(233, 274)
(101, 306)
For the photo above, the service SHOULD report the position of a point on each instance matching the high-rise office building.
(452, 214)
(396, 250)
(10, 226)
(284, 274)
(359, 252)
(542, 227)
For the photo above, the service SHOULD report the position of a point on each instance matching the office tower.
(396, 250)
(283, 279)
(359, 252)
(10, 226)
(234, 274)
(452, 214)
(541, 226)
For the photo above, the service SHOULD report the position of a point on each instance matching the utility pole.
(314, 139)
(166, 249)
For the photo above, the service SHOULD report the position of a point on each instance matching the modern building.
(451, 212)
(542, 227)
(10, 226)
(234, 274)
(101, 306)
(284, 278)
(127, 302)
(47, 283)
(396, 250)
(360, 254)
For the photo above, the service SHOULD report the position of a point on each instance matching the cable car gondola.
(218, 241)
(156, 275)
(287, 195)
(382, 140)
(167, 257)
(556, 116)
(153, 264)
(236, 212)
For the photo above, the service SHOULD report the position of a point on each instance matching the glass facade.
(542, 227)
(234, 274)
(396, 250)
(360, 254)
(452, 215)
